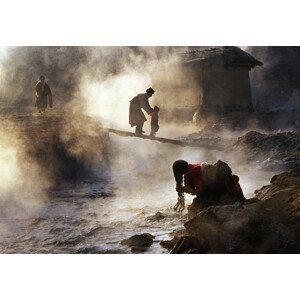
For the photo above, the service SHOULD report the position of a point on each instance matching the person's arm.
(146, 106)
(38, 89)
(186, 188)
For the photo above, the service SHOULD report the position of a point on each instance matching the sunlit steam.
(22, 185)
(109, 99)
(9, 172)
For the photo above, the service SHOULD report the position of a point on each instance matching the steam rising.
(92, 87)
(22, 186)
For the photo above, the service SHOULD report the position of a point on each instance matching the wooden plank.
(199, 144)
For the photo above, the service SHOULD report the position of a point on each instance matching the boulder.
(157, 217)
(139, 242)
(169, 244)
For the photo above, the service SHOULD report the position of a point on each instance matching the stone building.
(223, 77)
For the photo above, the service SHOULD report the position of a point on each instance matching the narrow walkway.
(201, 143)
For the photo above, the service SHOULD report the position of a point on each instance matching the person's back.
(211, 184)
(136, 101)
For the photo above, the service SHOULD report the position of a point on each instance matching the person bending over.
(211, 184)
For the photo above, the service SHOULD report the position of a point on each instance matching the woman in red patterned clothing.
(212, 184)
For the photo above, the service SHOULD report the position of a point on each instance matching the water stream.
(94, 216)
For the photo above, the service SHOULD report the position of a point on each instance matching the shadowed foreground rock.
(271, 225)
(139, 242)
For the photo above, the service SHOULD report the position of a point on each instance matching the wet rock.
(139, 249)
(169, 244)
(139, 241)
(188, 245)
(157, 217)
(36, 221)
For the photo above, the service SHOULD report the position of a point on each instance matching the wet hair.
(180, 168)
(150, 91)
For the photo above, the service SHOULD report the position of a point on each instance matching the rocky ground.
(268, 224)
(273, 151)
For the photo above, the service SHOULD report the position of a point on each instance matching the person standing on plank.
(136, 115)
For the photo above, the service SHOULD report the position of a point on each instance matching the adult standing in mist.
(43, 95)
(136, 115)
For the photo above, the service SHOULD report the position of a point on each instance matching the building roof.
(228, 55)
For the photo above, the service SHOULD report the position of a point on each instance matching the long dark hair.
(180, 168)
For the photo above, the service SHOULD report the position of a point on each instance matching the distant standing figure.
(154, 121)
(136, 116)
(43, 95)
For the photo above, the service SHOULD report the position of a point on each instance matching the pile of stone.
(273, 151)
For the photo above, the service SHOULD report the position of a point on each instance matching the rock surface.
(157, 217)
(139, 242)
(269, 225)
(274, 151)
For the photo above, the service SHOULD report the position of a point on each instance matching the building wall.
(225, 88)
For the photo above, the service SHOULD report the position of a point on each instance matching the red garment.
(154, 116)
(194, 177)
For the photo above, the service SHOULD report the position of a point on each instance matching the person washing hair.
(212, 184)
(136, 115)
(43, 95)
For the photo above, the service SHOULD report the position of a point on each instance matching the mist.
(92, 87)
(22, 182)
